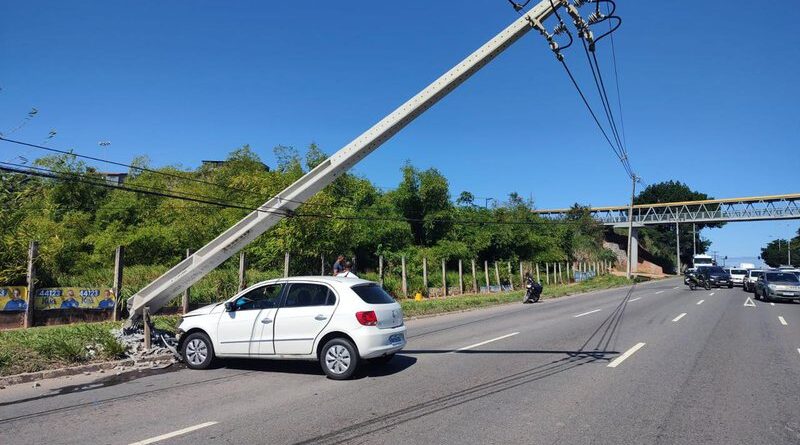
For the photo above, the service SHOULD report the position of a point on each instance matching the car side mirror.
(230, 307)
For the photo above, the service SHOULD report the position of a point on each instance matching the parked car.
(737, 276)
(778, 285)
(714, 276)
(340, 322)
(749, 283)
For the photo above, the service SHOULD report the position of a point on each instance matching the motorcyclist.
(533, 290)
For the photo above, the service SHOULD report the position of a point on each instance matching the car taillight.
(367, 318)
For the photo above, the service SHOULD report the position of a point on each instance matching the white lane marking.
(783, 321)
(712, 293)
(700, 302)
(772, 304)
(624, 356)
(634, 299)
(660, 292)
(586, 313)
(173, 434)
(486, 342)
(679, 317)
(676, 287)
(798, 350)
(749, 302)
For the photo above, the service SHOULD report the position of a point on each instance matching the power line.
(101, 183)
(149, 170)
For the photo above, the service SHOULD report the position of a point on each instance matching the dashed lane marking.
(174, 434)
(783, 321)
(486, 342)
(679, 317)
(660, 292)
(700, 302)
(616, 362)
(586, 313)
(634, 299)
(771, 303)
(712, 293)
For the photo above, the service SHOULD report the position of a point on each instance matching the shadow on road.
(398, 364)
(594, 349)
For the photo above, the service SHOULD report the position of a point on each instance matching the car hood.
(205, 310)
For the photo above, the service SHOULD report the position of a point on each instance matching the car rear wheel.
(339, 359)
(197, 351)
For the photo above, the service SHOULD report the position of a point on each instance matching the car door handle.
(320, 317)
(266, 320)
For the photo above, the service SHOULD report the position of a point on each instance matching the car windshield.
(782, 276)
(738, 271)
(714, 270)
(756, 273)
(373, 294)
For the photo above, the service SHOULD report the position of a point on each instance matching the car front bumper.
(784, 295)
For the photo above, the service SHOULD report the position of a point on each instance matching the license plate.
(787, 294)
(396, 338)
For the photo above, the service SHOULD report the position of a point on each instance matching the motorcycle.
(533, 290)
(694, 281)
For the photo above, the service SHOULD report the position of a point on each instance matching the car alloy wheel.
(339, 359)
(197, 351)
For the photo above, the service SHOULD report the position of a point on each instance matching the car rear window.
(373, 294)
(738, 272)
(756, 273)
(715, 270)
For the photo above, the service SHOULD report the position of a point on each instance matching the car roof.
(334, 281)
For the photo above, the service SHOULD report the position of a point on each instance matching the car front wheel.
(197, 351)
(339, 359)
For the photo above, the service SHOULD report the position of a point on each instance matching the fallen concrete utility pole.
(158, 293)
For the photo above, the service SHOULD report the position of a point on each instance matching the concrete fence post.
(497, 277)
(460, 278)
(33, 252)
(119, 259)
(187, 292)
(444, 278)
(425, 276)
(521, 275)
(403, 272)
(547, 271)
(538, 280)
(380, 269)
(286, 265)
(475, 288)
(510, 276)
(486, 272)
(242, 271)
(146, 320)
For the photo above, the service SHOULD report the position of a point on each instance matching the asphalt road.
(653, 364)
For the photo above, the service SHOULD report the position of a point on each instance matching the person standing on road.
(346, 273)
(338, 266)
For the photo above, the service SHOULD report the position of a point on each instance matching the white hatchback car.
(337, 321)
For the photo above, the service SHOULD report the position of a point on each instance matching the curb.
(75, 370)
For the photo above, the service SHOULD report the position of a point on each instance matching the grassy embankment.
(50, 347)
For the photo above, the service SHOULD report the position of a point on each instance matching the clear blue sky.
(709, 92)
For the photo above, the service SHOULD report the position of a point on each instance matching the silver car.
(778, 285)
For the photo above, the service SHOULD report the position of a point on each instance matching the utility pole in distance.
(630, 225)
